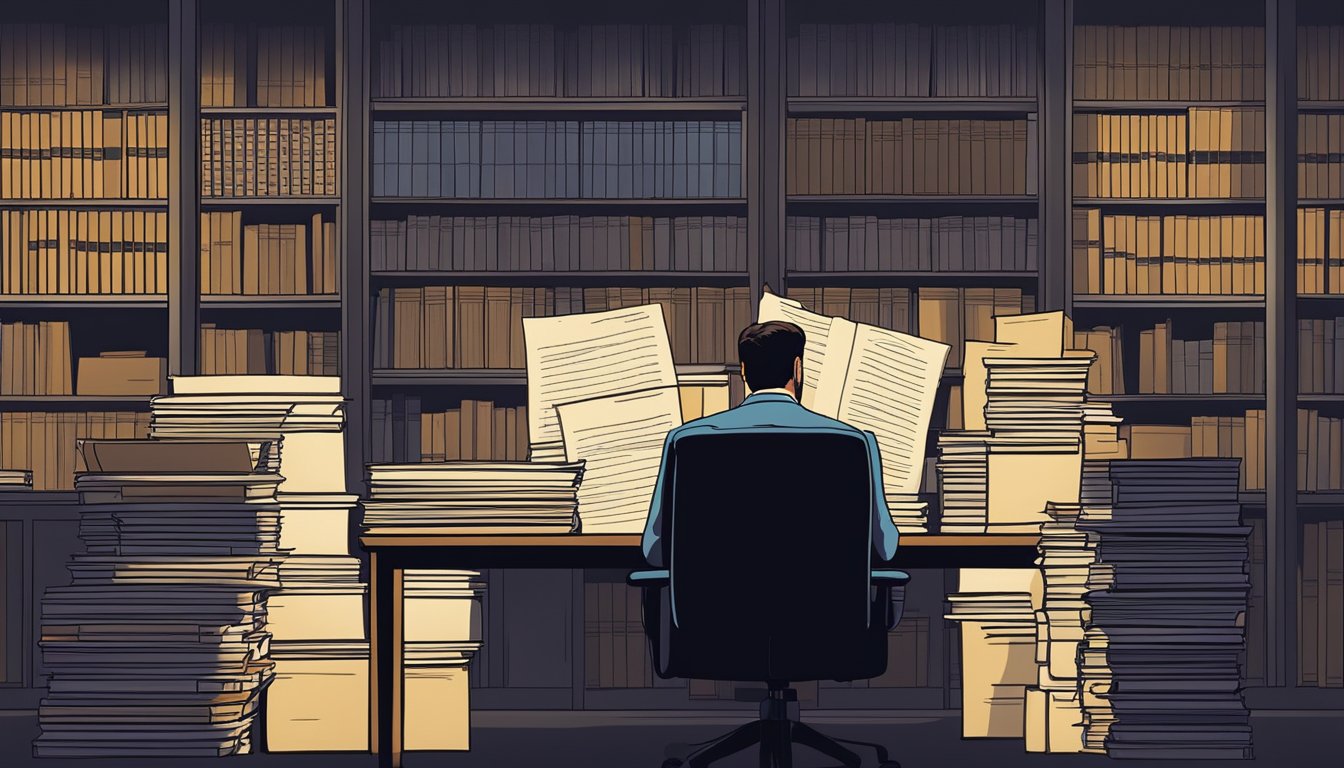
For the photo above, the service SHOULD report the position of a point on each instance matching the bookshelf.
(912, 90)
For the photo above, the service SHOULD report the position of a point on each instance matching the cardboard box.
(122, 373)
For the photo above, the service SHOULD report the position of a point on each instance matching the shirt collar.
(773, 393)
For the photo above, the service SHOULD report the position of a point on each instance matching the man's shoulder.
(765, 417)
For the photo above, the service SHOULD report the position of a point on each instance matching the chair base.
(777, 730)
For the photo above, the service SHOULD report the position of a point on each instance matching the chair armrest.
(887, 578)
(649, 578)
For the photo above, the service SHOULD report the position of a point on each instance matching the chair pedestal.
(777, 730)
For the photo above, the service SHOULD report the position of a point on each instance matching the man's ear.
(742, 370)
(797, 369)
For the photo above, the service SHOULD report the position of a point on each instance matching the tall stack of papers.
(472, 497)
(1054, 712)
(963, 480)
(1034, 409)
(443, 633)
(319, 698)
(158, 647)
(877, 380)
(1160, 664)
(995, 609)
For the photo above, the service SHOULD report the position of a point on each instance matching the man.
(772, 365)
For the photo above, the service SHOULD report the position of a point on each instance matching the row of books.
(1320, 356)
(83, 154)
(83, 252)
(557, 158)
(45, 442)
(1233, 361)
(905, 60)
(1107, 374)
(438, 327)
(957, 315)
(1320, 446)
(1318, 62)
(267, 259)
(1181, 63)
(253, 351)
(1174, 255)
(268, 157)
(60, 65)
(1208, 152)
(910, 156)
(477, 430)
(615, 649)
(286, 66)
(544, 60)
(35, 358)
(948, 243)
(883, 307)
(1320, 156)
(559, 243)
(1320, 251)
(1320, 612)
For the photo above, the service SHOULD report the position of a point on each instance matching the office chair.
(767, 538)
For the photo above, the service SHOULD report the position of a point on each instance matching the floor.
(638, 740)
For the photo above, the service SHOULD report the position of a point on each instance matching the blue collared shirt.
(763, 411)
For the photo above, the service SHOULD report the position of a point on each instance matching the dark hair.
(767, 352)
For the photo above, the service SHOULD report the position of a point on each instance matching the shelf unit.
(764, 108)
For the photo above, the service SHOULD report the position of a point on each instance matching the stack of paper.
(995, 609)
(15, 480)
(1054, 712)
(443, 633)
(1034, 410)
(909, 513)
(317, 618)
(473, 497)
(1160, 664)
(877, 380)
(602, 389)
(158, 647)
(963, 480)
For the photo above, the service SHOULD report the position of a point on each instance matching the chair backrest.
(769, 551)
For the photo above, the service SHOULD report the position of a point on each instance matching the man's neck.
(776, 391)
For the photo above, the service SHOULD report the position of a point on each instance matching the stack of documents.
(473, 497)
(1160, 664)
(909, 513)
(995, 609)
(317, 617)
(963, 480)
(1054, 712)
(602, 390)
(443, 633)
(158, 647)
(877, 380)
(15, 480)
(1034, 410)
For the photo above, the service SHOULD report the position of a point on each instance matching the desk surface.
(623, 540)
(623, 550)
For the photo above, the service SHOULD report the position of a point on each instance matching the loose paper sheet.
(872, 378)
(889, 389)
(581, 357)
(620, 438)
(818, 350)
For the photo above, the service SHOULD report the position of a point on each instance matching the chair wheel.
(676, 762)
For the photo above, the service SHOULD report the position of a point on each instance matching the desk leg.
(387, 652)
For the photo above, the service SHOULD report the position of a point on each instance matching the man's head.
(772, 356)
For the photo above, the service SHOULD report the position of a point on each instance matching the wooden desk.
(391, 555)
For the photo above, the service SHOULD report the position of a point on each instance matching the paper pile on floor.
(159, 646)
